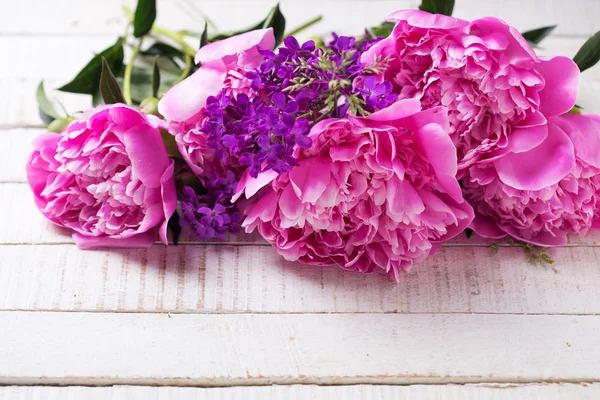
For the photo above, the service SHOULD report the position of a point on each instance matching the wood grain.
(228, 350)
(557, 391)
(242, 279)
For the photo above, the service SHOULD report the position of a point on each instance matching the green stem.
(304, 26)
(176, 38)
(186, 70)
(128, 71)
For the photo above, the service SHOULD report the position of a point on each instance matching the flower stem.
(128, 71)
(186, 70)
(304, 26)
(187, 49)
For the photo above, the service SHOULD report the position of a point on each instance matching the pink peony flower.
(499, 94)
(107, 177)
(223, 66)
(378, 191)
(544, 216)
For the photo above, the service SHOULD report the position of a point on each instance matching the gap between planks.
(237, 312)
(314, 392)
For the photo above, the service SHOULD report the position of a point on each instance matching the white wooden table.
(228, 320)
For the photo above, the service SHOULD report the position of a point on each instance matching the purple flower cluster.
(211, 215)
(257, 134)
(292, 89)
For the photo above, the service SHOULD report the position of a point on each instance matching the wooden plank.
(255, 279)
(556, 391)
(227, 350)
(69, 17)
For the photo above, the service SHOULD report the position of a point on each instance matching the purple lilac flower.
(377, 95)
(211, 215)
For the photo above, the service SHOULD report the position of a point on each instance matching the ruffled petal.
(584, 131)
(559, 94)
(541, 166)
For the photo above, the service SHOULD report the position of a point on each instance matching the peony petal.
(517, 50)
(147, 152)
(562, 84)
(424, 19)
(37, 177)
(169, 199)
(402, 199)
(348, 150)
(188, 97)
(541, 166)
(263, 211)
(396, 111)
(383, 49)
(544, 239)
(486, 227)
(437, 147)
(141, 240)
(310, 179)
(524, 139)
(250, 186)
(385, 149)
(263, 38)
(435, 115)
(289, 204)
(584, 131)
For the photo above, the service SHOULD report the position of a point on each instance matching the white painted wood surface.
(242, 279)
(236, 313)
(226, 350)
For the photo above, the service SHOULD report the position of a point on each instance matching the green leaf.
(109, 87)
(589, 54)
(88, 79)
(204, 37)
(383, 30)
(144, 17)
(155, 78)
(444, 7)
(46, 109)
(97, 99)
(141, 83)
(163, 49)
(175, 227)
(535, 36)
(274, 20)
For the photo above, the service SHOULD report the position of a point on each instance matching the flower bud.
(149, 106)
(59, 124)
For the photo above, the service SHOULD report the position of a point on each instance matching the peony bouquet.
(365, 152)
